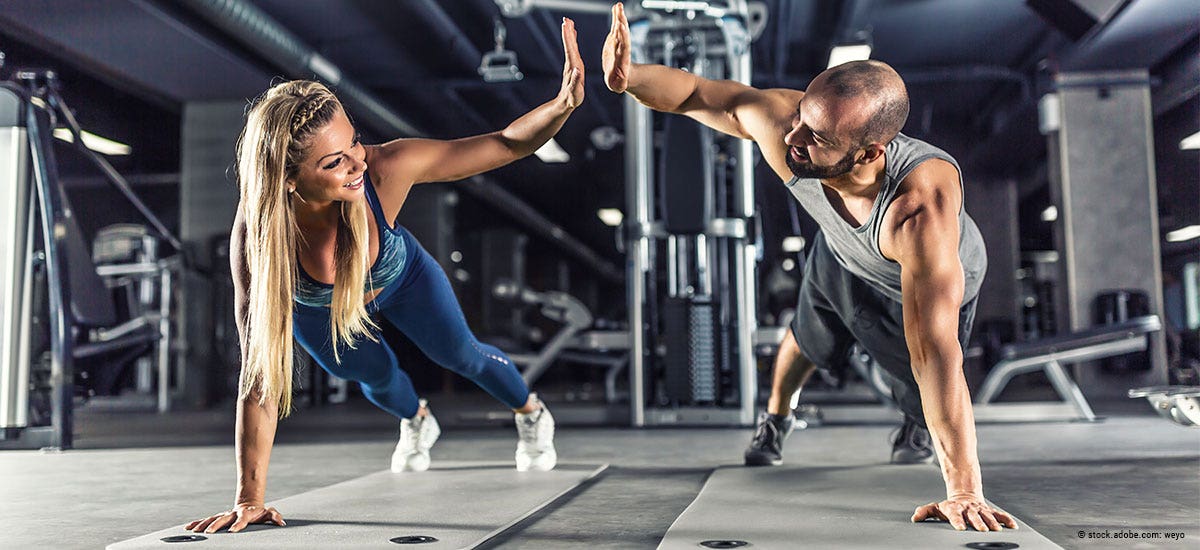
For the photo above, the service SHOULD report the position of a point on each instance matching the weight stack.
(691, 360)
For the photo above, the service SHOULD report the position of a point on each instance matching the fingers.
(220, 523)
(241, 523)
(973, 518)
(1005, 519)
(990, 519)
(570, 40)
(978, 515)
(928, 511)
(623, 27)
(276, 517)
(201, 525)
(953, 514)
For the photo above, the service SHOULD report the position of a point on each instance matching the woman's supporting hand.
(237, 519)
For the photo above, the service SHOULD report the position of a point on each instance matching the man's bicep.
(739, 110)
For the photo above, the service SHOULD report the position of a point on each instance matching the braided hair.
(279, 126)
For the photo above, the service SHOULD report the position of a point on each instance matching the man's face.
(820, 145)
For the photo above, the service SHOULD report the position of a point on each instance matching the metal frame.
(1052, 364)
(39, 105)
(642, 230)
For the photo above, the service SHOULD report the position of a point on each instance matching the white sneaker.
(417, 435)
(535, 448)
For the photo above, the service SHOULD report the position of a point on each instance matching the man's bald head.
(877, 88)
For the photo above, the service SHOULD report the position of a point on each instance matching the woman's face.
(333, 166)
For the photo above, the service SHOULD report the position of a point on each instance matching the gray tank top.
(857, 249)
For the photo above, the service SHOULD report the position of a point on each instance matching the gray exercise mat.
(831, 507)
(461, 504)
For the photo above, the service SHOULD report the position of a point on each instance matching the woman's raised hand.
(572, 86)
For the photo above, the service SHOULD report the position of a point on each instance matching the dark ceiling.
(975, 69)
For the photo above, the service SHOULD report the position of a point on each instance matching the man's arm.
(733, 108)
(924, 240)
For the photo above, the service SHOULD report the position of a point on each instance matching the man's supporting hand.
(963, 510)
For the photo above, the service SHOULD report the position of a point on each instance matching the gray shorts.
(837, 309)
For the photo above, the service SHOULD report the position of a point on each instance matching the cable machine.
(57, 318)
(691, 233)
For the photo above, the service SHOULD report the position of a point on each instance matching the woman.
(316, 254)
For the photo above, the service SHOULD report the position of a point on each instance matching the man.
(896, 267)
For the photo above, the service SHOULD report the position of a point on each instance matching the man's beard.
(811, 169)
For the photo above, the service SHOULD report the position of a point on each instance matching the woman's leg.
(426, 310)
(371, 363)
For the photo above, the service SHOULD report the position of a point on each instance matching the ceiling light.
(849, 52)
(96, 143)
(1190, 142)
(611, 217)
(1184, 234)
(551, 152)
(793, 244)
(1050, 213)
(673, 5)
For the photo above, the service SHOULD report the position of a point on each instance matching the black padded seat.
(1082, 339)
(145, 335)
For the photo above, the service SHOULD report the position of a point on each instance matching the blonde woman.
(316, 253)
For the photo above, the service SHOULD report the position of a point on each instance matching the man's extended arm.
(733, 108)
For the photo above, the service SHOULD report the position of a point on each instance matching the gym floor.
(135, 473)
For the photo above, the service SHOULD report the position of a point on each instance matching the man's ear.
(872, 152)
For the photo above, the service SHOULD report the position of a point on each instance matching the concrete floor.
(134, 473)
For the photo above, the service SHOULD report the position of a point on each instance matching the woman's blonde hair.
(279, 125)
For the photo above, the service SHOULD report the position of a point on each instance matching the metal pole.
(62, 367)
(639, 154)
(164, 341)
(745, 257)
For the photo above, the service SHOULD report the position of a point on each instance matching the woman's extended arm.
(409, 161)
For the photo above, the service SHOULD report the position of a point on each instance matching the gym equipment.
(1179, 404)
(500, 65)
(692, 358)
(559, 306)
(1099, 256)
(1050, 354)
(457, 505)
(835, 491)
(57, 340)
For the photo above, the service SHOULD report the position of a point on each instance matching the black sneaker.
(766, 449)
(912, 445)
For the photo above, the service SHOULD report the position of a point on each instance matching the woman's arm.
(409, 161)
(256, 422)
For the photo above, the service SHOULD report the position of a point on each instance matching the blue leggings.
(422, 305)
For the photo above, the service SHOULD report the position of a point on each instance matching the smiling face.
(333, 166)
(824, 140)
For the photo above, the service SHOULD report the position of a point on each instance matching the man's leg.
(792, 370)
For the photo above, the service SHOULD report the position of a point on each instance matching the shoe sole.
(754, 461)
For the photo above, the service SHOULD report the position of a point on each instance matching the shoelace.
(528, 430)
(766, 433)
(414, 433)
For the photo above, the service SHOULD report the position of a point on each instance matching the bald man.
(897, 264)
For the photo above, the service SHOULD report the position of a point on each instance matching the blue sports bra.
(387, 268)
